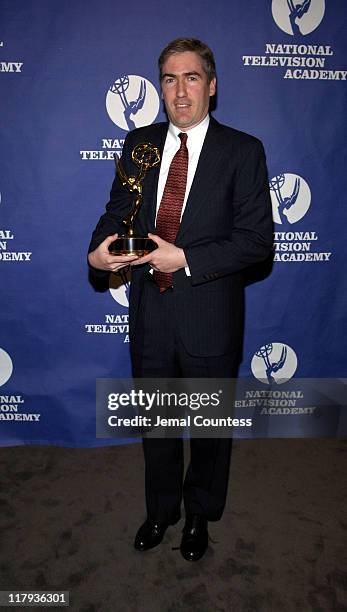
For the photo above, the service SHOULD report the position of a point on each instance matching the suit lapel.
(201, 188)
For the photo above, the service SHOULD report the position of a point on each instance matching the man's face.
(185, 89)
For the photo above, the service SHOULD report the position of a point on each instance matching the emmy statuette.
(145, 156)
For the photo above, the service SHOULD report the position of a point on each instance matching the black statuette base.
(126, 245)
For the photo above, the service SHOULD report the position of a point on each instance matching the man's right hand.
(102, 259)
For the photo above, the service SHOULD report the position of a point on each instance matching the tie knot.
(183, 137)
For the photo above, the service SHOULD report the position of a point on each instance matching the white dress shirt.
(195, 140)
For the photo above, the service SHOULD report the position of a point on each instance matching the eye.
(168, 80)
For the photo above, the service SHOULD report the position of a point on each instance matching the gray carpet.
(68, 518)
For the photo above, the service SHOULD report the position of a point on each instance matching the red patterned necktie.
(169, 213)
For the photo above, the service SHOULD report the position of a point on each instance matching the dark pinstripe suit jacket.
(226, 227)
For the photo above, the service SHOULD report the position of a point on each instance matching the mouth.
(182, 107)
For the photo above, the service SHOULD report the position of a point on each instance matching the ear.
(213, 87)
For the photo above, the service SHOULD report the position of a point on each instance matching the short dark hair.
(180, 45)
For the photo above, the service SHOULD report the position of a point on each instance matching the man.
(208, 209)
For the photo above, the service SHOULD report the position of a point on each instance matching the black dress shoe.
(195, 538)
(150, 535)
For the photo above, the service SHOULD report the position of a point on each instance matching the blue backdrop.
(64, 113)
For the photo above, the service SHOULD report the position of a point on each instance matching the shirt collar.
(195, 132)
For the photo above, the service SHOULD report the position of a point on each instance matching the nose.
(181, 90)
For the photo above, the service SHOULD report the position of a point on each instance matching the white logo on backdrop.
(290, 197)
(132, 101)
(119, 288)
(298, 18)
(6, 367)
(274, 363)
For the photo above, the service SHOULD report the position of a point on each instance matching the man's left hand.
(166, 258)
